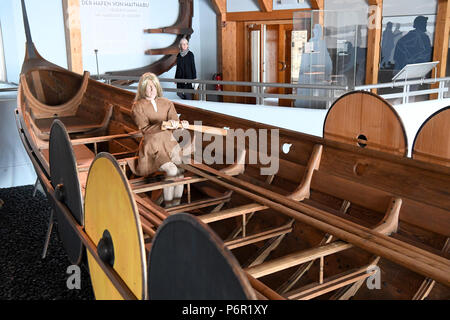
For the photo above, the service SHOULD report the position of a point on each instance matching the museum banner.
(114, 26)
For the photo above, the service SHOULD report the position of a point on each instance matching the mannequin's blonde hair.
(143, 83)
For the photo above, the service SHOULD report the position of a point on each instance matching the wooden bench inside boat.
(83, 156)
(258, 268)
(352, 180)
(73, 124)
(82, 122)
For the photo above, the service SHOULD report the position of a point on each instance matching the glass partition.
(328, 49)
(406, 39)
(2, 58)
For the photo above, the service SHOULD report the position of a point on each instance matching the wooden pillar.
(374, 41)
(319, 5)
(229, 49)
(220, 7)
(226, 46)
(266, 5)
(72, 27)
(441, 40)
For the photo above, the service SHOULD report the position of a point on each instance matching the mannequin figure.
(159, 149)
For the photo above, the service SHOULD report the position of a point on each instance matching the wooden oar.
(204, 129)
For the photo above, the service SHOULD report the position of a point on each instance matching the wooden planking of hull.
(315, 228)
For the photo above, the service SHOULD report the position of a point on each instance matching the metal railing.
(9, 86)
(331, 92)
(407, 93)
(328, 95)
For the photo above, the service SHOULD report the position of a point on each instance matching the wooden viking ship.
(341, 212)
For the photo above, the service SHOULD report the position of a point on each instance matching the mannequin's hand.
(185, 124)
(173, 124)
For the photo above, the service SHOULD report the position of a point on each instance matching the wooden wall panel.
(441, 40)
(374, 41)
(241, 60)
(229, 54)
(271, 58)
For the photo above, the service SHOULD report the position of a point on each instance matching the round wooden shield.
(188, 261)
(112, 222)
(432, 142)
(366, 120)
(64, 178)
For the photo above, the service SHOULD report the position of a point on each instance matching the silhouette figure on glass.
(415, 46)
(315, 68)
(355, 64)
(387, 45)
(397, 36)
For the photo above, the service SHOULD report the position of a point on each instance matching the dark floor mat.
(23, 274)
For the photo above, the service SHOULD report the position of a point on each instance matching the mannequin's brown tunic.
(158, 146)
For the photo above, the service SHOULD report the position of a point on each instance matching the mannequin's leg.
(171, 171)
(178, 190)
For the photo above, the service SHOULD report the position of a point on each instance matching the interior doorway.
(256, 38)
(269, 56)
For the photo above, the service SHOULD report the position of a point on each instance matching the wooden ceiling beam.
(317, 4)
(220, 6)
(266, 5)
(263, 16)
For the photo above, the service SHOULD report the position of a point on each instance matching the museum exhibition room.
(224, 150)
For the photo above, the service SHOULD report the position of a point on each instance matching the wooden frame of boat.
(182, 28)
(312, 230)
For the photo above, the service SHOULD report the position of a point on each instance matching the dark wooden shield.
(188, 261)
(64, 178)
